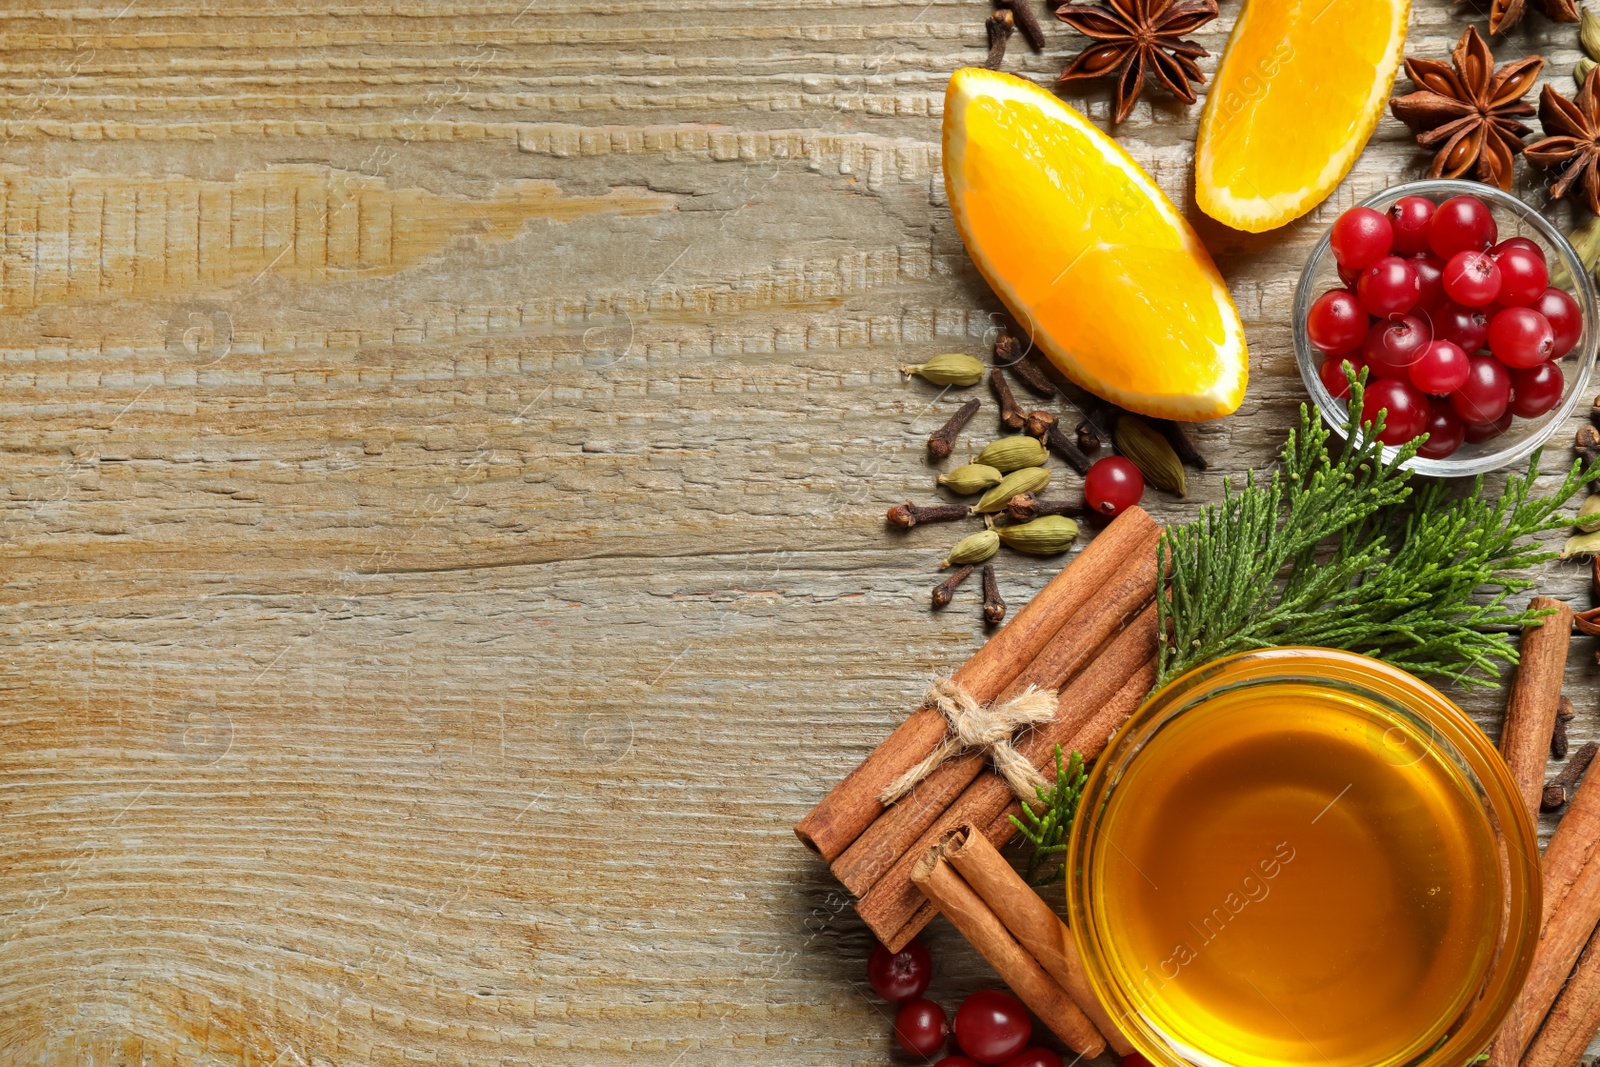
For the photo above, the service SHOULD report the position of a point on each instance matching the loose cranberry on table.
(1112, 486)
(1430, 280)
(1389, 287)
(1521, 337)
(992, 1026)
(1461, 224)
(1034, 1057)
(1444, 428)
(1472, 279)
(1523, 274)
(1535, 390)
(1564, 317)
(1440, 369)
(1467, 327)
(1333, 376)
(1395, 344)
(1408, 218)
(1360, 237)
(901, 976)
(1477, 434)
(1407, 409)
(920, 1027)
(1484, 396)
(1336, 322)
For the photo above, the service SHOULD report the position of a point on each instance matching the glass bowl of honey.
(1304, 856)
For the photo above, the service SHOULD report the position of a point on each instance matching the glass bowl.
(1514, 219)
(1314, 952)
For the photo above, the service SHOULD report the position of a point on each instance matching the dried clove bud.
(1558, 737)
(1587, 444)
(1038, 423)
(1025, 507)
(942, 440)
(1027, 22)
(1034, 377)
(1000, 24)
(1181, 443)
(947, 588)
(1088, 438)
(994, 608)
(1559, 789)
(1062, 445)
(1011, 416)
(908, 514)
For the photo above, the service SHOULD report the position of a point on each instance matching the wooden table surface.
(445, 449)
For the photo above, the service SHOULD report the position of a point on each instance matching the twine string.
(988, 729)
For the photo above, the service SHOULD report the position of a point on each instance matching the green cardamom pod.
(952, 368)
(1584, 544)
(1589, 33)
(972, 478)
(1581, 69)
(1589, 515)
(974, 549)
(1013, 453)
(1152, 453)
(1044, 536)
(1585, 241)
(1026, 480)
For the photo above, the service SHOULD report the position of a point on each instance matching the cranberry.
(900, 976)
(992, 1026)
(1332, 372)
(1359, 237)
(1523, 275)
(1440, 369)
(1134, 1059)
(1336, 322)
(921, 1028)
(1521, 337)
(1461, 224)
(1408, 218)
(1525, 243)
(1467, 327)
(1566, 320)
(1535, 390)
(1034, 1057)
(1407, 409)
(1348, 278)
(1390, 287)
(956, 1061)
(1430, 280)
(1444, 428)
(1394, 345)
(1112, 486)
(1472, 278)
(1479, 433)
(1483, 397)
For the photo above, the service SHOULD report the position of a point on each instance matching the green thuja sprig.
(1047, 828)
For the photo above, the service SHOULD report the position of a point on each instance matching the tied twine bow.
(987, 729)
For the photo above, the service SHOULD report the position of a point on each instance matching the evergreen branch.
(1047, 829)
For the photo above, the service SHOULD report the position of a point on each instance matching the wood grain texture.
(420, 653)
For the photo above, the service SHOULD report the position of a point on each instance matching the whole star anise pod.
(1572, 141)
(1468, 116)
(1139, 37)
(1504, 14)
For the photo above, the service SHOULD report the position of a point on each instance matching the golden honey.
(1293, 874)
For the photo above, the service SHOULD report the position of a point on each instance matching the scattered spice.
(1026, 480)
(969, 479)
(1008, 353)
(1062, 445)
(1011, 416)
(1504, 14)
(1535, 698)
(994, 608)
(1594, 408)
(1469, 116)
(1025, 507)
(1587, 444)
(1594, 582)
(950, 368)
(999, 26)
(1048, 535)
(1089, 438)
(1181, 443)
(907, 515)
(1559, 789)
(1571, 145)
(1151, 453)
(1558, 739)
(1139, 37)
(974, 548)
(1038, 423)
(1588, 517)
(943, 440)
(1589, 39)
(945, 590)
(1012, 453)
(1027, 22)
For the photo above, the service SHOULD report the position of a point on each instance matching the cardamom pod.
(1013, 453)
(969, 479)
(1588, 519)
(952, 368)
(1581, 69)
(973, 549)
(1584, 544)
(1589, 33)
(1026, 480)
(1151, 452)
(1585, 241)
(1043, 536)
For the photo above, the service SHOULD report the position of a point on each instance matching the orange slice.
(1295, 98)
(1088, 253)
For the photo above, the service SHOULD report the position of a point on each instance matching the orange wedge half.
(1298, 92)
(1087, 252)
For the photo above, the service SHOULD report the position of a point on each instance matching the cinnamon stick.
(853, 804)
(1121, 676)
(1573, 1021)
(1127, 585)
(1032, 922)
(1535, 696)
(934, 877)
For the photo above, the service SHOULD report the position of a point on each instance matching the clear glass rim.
(1470, 749)
(1333, 409)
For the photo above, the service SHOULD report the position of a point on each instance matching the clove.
(907, 515)
(1559, 789)
(1011, 416)
(947, 588)
(1181, 443)
(1008, 353)
(1089, 438)
(1027, 22)
(1000, 24)
(1062, 445)
(1587, 444)
(942, 440)
(1594, 412)
(1025, 507)
(1038, 423)
(994, 609)
(1558, 736)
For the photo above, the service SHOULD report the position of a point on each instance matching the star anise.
(1138, 37)
(1572, 141)
(1468, 116)
(1504, 14)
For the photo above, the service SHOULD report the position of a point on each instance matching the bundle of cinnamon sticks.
(1089, 635)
